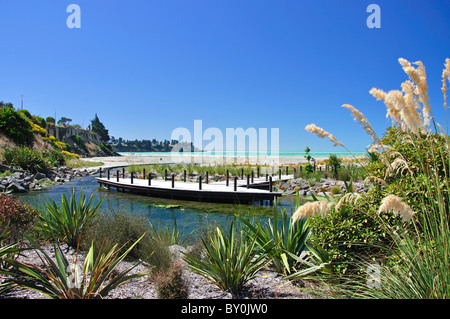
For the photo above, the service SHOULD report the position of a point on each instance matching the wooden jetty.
(239, 190)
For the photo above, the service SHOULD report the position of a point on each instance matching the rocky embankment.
(329, 186)
(21, 181)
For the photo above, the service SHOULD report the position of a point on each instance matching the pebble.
(267, 284)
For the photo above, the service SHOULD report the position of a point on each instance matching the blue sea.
(246, 153)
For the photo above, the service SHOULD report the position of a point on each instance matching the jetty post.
(207, 177)
(149, 179)
(184, 176)
(248, 181)
(228, 178)
(235, 183)
(100, 172)
(200, 182)
(132, 176)
(117, 175)
(108, 174)
(173, 180)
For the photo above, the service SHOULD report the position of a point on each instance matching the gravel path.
(267, 284)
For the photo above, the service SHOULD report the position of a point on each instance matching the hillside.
(20, 128)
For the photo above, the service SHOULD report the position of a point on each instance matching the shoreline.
(205, 159)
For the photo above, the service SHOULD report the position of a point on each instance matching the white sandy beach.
(135, 159)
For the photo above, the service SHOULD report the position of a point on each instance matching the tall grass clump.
(231, 260)
(411, 181)
(279, 239)
(70, 220)
(60, 278)
(27, 159)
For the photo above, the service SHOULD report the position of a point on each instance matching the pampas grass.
(361, 119)
(397, 206)
(320, 132)
(320, 208)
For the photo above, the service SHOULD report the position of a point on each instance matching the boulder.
(16, 187)
(40, 176)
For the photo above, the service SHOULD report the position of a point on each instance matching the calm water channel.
(191, 215)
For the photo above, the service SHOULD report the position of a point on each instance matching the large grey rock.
(40, 176)
(16, 187)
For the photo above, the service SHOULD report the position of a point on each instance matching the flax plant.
(168, 236)
(70, 221)
(62, 279)
(281, 239)
(231, 260)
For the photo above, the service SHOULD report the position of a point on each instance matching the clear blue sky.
(147, 67)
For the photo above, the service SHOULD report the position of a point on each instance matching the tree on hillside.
(99, 128)
(3, 104)
(64, 121)
(50, 120)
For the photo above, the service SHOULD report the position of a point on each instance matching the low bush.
(15, 126)
(120, 228)
(170, 283)
(27, 159)
(20, 216)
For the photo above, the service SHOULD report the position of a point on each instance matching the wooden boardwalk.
(239, 191)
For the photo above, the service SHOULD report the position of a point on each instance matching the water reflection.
(191, 215)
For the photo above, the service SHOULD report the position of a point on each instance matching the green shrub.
(27, 159)
(15, 126)
(79, 141)
(25, 113)
(56, 158)
(352, 235)
(120, 228)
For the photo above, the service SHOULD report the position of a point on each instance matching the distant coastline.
(213, 158)
(245, 153)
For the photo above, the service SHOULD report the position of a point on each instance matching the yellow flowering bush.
(72, 155)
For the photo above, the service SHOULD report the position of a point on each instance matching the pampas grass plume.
(320, 132)
(319, 208)
(397, 206)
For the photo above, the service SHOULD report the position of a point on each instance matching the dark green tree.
(64, 121)
(50, 120)
(335, 162)
(99, 128)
